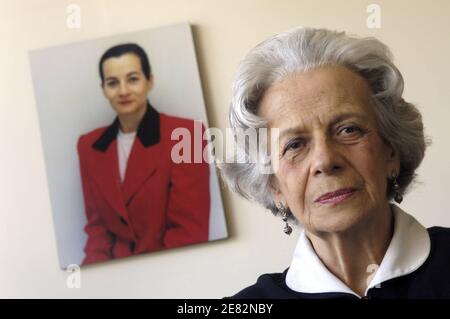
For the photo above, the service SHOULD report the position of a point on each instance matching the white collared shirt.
(407, 251)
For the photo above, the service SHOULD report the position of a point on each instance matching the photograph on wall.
(122, 122)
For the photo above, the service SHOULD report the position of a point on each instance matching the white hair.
(304, 49)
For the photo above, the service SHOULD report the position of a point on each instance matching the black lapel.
(147, 132)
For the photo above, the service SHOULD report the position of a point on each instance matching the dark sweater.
(431, 280)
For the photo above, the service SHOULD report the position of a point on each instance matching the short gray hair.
(303, 49)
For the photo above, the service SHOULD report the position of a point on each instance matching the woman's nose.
(325, 158)
(123, 89)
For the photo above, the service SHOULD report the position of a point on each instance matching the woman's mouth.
(126, 102)
(336, 196)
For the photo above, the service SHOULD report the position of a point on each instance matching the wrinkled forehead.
(316, 95)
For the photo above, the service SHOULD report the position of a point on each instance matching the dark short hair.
(121, 49)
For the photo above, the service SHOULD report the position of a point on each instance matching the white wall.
(224, 30)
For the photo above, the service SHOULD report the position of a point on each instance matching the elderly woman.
(348, 145)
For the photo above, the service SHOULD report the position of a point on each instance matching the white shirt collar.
(407, 251)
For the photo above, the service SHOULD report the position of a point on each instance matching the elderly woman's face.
(328, 142)
(125, 85)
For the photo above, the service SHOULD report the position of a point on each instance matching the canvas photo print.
(122, 121)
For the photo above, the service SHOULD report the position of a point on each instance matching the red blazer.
(160, 205)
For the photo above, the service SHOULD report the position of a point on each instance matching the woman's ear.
(150, 83)
(393, 159)
(275, 189)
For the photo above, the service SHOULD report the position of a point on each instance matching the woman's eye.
(292, 146)
(134, 79)
(111, 84)
(350, 130)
